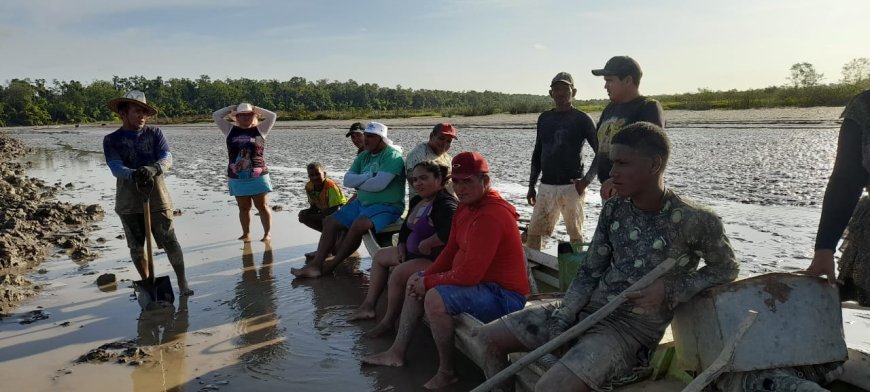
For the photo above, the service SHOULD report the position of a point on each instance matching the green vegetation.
(34, 102)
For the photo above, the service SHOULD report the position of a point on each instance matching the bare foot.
(364, 312)
(266, 238)
(245, 238)
(386, 358)
(440, 380)
(379, 330)
(308, 271)
(183, 289)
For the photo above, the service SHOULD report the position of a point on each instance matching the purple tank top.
(420, 231)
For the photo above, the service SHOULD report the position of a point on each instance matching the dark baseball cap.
(563, 77)
(355, 127)
(445, 129)
(468, 164)
(621, 66)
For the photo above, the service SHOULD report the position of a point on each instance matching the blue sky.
(500, 45)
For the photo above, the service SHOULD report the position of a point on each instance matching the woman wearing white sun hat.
(247, 172)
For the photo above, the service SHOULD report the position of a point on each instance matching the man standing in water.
(378, 175)
(558, 154)
(645, 225)
(138, 155)
(621, 80)
(481, 271)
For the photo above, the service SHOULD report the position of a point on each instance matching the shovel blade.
(154, 295)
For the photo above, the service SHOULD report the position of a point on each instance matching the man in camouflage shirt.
(642, 227)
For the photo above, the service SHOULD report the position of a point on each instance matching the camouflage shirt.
(628, 243)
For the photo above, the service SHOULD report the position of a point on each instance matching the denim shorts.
(486, 301)
(381, 214)
(241, 187)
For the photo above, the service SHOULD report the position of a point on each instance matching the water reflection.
(162, 334)
(260, 338)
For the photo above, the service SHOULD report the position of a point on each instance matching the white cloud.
(539, 46)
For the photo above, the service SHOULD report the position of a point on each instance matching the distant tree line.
(35, 102)
(803, 88)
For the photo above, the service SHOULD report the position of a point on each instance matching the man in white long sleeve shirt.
(378, 175)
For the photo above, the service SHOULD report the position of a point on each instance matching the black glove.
(144, 175)
(152, 170)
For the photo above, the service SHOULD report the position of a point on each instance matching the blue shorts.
(250, 186)
(380, 214)
(486, 301)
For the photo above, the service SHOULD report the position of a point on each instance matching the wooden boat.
(545, 280)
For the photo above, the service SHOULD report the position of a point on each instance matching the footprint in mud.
(335, 317)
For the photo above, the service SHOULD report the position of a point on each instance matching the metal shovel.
(151, 292)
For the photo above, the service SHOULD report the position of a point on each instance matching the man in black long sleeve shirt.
(558, 154)
(850, 177)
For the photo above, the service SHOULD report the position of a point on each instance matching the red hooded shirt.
(484, 246)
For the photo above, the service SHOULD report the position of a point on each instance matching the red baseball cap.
(468, 164)
(445, 129)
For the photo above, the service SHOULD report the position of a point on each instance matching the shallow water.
(251, 327)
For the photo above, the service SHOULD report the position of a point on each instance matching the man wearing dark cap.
(481, 270)
(435, 150)
(621, 80)
(138, 155)
(356, 136)
(558, 155)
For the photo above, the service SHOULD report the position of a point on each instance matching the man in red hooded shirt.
(481, 270)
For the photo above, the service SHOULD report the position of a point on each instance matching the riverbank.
(33, 224)
(250, 326)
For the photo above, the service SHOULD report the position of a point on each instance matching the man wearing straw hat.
(138, 155)
(645, 226)
(378, 175)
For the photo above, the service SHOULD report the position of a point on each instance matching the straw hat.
(242, 108)
(135, 97)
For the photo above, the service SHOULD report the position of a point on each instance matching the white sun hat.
(381, 130)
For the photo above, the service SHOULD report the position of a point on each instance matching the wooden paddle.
(575, 331)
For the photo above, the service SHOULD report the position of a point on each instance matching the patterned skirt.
(855, 261)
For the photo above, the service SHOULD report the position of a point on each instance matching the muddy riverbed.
(251, 327)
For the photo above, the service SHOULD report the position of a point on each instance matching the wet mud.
(33, 224)
(251, 326)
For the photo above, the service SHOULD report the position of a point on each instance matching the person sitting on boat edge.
(138, 156)
(639, 229)
(324, 197)
(356, 137)
(421, 238)
(247, 174)
(850, 177)
(481, 271)
(378, 174)
(434, 149)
